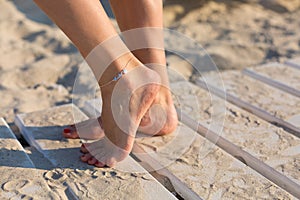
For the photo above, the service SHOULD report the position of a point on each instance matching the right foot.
(122, 114)
(90, 130)
(162, 122)
(161, 118)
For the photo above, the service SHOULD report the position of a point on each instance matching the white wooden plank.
(206, 169)
(294, 63)
(90, 105)
(19, 177)
(12, 152)
(266, 102)
(250, 133)
(277, 75)
(43, 130)
(93, 106)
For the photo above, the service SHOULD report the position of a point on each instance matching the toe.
(111, 163)
(69, 133)
(92, 161)
(99, 164)
(83, 148)
(86, 157)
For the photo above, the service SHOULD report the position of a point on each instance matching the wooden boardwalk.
(240, 144)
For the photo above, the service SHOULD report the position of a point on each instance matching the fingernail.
(66, 130)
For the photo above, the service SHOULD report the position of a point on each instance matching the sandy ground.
(38, 64)
(241, 33)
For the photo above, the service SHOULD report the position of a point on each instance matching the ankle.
(117, 69)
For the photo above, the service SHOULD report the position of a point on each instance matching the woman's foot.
(90, 130)
(125, 102)
(160, 119)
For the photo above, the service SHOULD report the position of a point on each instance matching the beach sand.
(38, 64)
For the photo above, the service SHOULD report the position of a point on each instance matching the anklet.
(118, 75)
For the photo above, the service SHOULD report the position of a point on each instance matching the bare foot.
(125, 102)
(160, 119)
(90, 129)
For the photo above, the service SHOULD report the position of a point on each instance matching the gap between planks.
(91, 108)
(293, 63)
(57, 162)
(272, 82)
(149, 163)
(243, 156)
(250, 108)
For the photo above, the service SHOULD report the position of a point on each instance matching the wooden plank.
(294, 63)
(43, 130)
(19, 177)
(251, 134)
(264, 101)
(277, 75)
(90, 105)
(12, 151)
(206, 169)
(178, 186)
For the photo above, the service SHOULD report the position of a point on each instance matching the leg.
(126, 13)
(86, 33)
(149, 13)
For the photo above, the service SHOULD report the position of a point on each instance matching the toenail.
(66, 130)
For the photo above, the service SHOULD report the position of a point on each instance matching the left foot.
(122, 115)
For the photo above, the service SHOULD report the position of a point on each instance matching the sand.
(283, 74)
(19, 177)
(38, 64)
(272, 100)
(238, 34)
(42, 130)
(206, 169)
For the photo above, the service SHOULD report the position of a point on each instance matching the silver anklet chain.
(118, 75)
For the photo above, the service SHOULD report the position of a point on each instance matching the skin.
(125, 13)
(115, 143)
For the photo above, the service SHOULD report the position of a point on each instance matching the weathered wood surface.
(278, 75)
(260, 99)
(19, 177)
(206, 169)
(127, 181)
(245, 130)
(294, 63)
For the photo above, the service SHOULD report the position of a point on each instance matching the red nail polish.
(66, 130)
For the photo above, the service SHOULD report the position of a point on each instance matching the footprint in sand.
(56, 178)
(14, 185)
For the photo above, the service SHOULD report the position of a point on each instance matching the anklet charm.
(119, 75)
